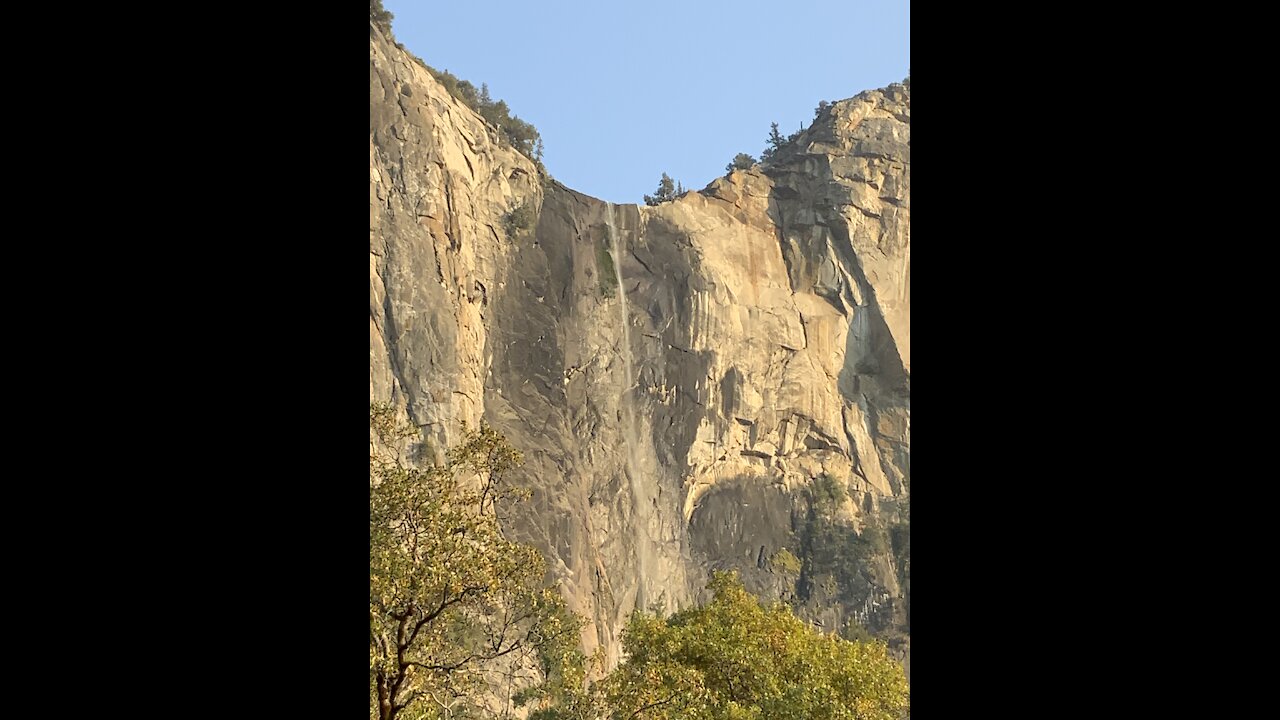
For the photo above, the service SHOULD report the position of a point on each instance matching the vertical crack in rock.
(630, 434)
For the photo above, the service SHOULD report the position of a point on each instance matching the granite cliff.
(695, 386)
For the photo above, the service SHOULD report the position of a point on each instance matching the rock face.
(695, 386)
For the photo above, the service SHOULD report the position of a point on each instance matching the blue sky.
(625, 91)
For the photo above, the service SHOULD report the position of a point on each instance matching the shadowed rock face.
(768, 340)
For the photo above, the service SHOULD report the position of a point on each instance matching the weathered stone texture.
(769, 344)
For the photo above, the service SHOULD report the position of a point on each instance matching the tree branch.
(653, 705)
(448, 668)
(445, 603)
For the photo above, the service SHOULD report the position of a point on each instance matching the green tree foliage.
(822, 106)
(450, 599)
(519, 219)
(380, 16)
(900, 541)
(605, 269)
(734, 659)
(875, 538)
(563, 693)
(741, 161)
(453, 606)
(521, 135)
(776, 141)
(666, 192)
(832, 551)
(786, 561)
(828, 493)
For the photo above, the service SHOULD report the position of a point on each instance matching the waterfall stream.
(630, 430)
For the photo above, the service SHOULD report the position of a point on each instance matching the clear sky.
(624, 91)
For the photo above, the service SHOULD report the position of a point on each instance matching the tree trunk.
(385, 710)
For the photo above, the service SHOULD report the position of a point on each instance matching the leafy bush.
(786, 561)
(380, 16)
(741, 161)
(828, 492)
(519, 219)
(608, 281)
(900, 540)
(835, 551)
(874, 539)
(830, 550)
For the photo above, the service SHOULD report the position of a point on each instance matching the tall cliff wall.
(686, 381)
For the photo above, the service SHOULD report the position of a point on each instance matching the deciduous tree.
(452, 601)
(734, 659)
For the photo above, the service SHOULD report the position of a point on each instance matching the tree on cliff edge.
(666, 192)
(776, 141)
(380, 16)
(741, 161)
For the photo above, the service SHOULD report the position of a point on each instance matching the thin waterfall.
(630, 432)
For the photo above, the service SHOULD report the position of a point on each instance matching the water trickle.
(630, 431)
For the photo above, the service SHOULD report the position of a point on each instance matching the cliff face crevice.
(680, 378)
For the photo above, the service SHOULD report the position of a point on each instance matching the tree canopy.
(667, 191)
(521, 135)
(451, 601)
(776, 140)
(380, 16)
(741, 161)
(461, 623)
(734, 659)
